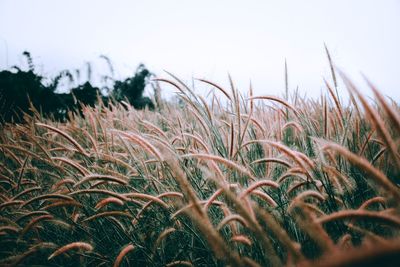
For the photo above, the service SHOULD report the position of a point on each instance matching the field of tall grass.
(235, 179)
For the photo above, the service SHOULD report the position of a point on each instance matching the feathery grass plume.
(73, 164)
(226, 162)
(367, 255)
(241, 239)
(63, 182)
(92, 141)
(107, 201)
(212, 198)
(342, 182)
(66, 136)
(306, 220)
(296, 186)
(377, 122)
(29, 214)
(230, 218)
(26, 191)
(253, 225)
(216, 86)
(265, 197)
(186, 208)
(74, 245)
(101, 177)
(194, 194)
(46, 196)
(332, 70)
(167, 194)
(179, 263)
(21, 173)
(392, 115)
(294, 155)
(9, 228)
(201, 219)
(153, 127)
(249, 118)
(338, 110)
(325, 115)
(379, 177)
(274, 160)
(293, 247)
(367, 203)
(33, 222)
(206, 108)
(361, 214)
(147, 197)
(161, 237)
(258, 184)
(197, 139)
(277, 99)
(112, 213)
(257, 123)
(99, 191)
(128, 248)
(345, 242)
(300, 198)
(11, 203)
(231, 142)
(116, 160)
(293, 124)
(141, 142)
(63, 203)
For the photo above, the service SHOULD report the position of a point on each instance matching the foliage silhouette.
(21, 90)
(131, 89)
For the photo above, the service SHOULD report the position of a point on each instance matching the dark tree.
(20, 90)
(132, 89)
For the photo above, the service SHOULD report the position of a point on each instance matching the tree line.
(22, 91)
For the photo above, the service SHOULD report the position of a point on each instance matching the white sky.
(207, 39)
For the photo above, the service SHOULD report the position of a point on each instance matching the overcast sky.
(208, 39)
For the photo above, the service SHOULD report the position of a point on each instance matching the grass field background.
(234, 179)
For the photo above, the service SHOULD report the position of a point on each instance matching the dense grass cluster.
(244, 181)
